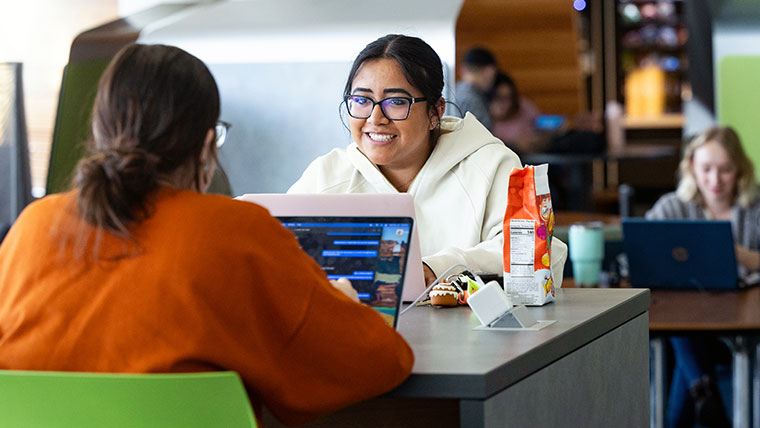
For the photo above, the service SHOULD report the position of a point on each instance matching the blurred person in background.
(717, 181)
(477, 77)
(514, 117)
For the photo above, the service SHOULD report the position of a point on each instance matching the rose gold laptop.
(370, 239)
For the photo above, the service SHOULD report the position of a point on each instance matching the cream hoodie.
(460, 195)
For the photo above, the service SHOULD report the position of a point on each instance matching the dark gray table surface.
(454, 361)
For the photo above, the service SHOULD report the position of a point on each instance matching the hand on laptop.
(344, 285)
(748, 258)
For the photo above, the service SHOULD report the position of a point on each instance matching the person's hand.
(429, 274)
(345, 286)
(748, 258)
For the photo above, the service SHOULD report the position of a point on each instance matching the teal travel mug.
(586, 252)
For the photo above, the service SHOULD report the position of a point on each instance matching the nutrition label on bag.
(522, 246)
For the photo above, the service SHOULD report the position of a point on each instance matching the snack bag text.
(528, 226)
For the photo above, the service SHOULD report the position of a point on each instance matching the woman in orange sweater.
(135, 270)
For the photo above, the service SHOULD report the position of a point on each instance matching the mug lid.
(587, 225)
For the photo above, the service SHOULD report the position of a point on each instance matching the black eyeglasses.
(393, 108)
(221, 130)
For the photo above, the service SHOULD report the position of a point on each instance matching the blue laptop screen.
(680, 254)
(369, 251)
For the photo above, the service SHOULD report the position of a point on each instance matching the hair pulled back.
(152, 112)
(418, 61)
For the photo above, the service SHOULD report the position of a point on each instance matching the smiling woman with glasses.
(455, 169)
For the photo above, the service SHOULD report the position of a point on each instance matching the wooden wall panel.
(536, 41)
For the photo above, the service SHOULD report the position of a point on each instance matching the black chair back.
(15, 178)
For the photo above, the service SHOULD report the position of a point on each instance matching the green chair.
(72, 121)
(98, 400)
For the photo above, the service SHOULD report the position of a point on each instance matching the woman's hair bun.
(115, 183)
(153, 110)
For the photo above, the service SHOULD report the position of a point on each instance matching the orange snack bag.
(528, 227)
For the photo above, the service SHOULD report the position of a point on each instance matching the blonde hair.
(745, 191)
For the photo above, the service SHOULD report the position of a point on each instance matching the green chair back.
(72, 126)
(98, 400)
(72, 121)
(738, 101)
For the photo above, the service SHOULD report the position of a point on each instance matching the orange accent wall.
(535, 41)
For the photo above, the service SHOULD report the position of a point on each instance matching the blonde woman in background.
(717, 182)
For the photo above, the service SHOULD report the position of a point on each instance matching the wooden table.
(725, 312)
(733, 316)
(588, 369)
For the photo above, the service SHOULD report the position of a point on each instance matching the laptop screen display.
(369, 251)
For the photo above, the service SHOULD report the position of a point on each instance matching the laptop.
(680, 254)
(549, 122)
(369, 239)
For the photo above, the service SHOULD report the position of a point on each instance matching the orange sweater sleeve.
(340, 354)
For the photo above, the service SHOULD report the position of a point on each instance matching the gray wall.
(278, 129)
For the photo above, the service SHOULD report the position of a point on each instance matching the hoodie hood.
(460, 137)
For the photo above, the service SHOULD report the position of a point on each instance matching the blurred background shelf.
(664, 121)
(652, 35)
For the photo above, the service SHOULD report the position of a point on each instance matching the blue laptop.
(680, 254)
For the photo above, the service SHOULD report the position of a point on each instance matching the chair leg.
(625, 198)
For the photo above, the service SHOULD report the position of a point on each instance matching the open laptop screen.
(369, 251)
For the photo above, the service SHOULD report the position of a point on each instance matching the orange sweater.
(211, 283)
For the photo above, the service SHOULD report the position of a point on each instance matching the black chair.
(15, 177)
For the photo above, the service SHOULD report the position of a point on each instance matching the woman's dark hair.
(152, 112)
(418, 61)
(503, 78)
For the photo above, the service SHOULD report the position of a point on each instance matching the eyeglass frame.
(411, 101)
(221, 137)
